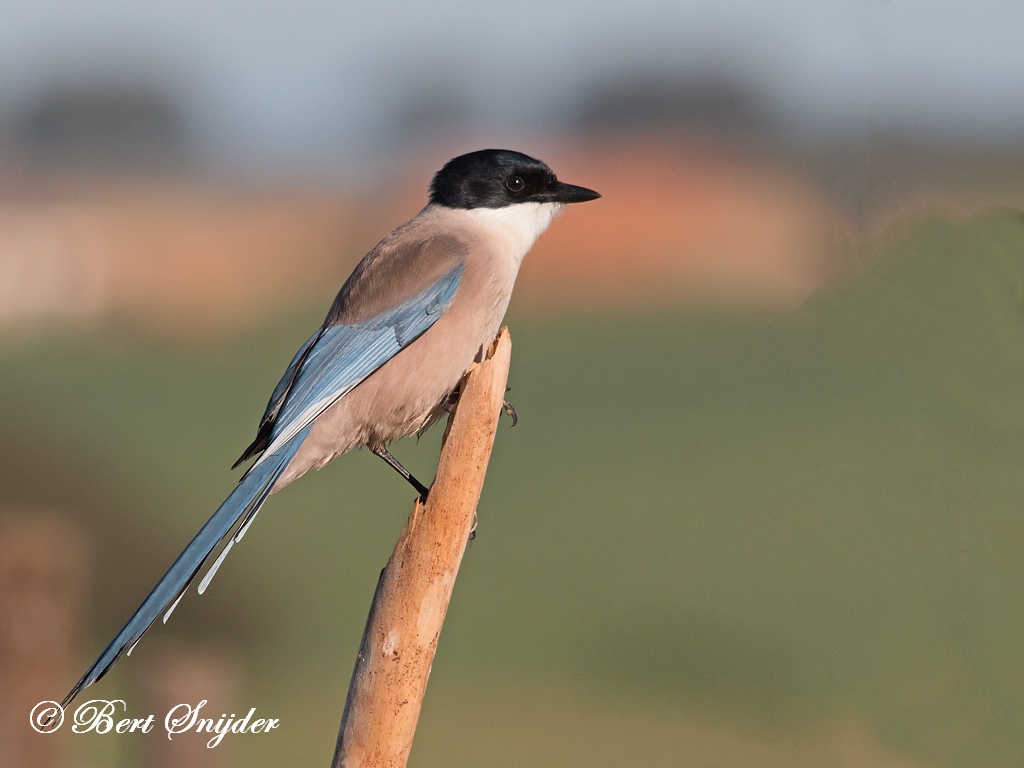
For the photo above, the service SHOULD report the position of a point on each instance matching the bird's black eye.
(515, 184)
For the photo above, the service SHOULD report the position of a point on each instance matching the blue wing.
(344, 355)
(330, 364)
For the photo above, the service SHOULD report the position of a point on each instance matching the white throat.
(517, 226)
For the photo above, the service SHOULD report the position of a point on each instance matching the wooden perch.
(411, 600)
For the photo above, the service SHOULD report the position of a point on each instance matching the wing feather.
(344, 355)
(396, 293)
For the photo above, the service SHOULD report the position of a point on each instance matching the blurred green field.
(713, 539)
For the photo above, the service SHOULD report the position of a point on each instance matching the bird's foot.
(449, 403)
(420, 487)
(507, 407)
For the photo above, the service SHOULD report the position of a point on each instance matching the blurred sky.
(304, 83)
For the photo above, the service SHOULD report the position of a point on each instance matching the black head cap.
(495, 178)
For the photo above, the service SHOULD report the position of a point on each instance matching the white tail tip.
(213, 570)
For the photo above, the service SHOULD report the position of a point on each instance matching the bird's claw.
(507, 406)
(449, 403)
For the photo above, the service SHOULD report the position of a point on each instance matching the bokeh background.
(763, 505)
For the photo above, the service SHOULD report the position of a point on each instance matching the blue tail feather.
(245, 500)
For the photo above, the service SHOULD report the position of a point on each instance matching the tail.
(243, 503)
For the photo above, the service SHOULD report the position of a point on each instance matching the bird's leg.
(509, 409)
(385, 454)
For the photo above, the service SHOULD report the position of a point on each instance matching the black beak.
(566, 193)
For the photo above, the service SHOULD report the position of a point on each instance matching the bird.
(413, 317)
